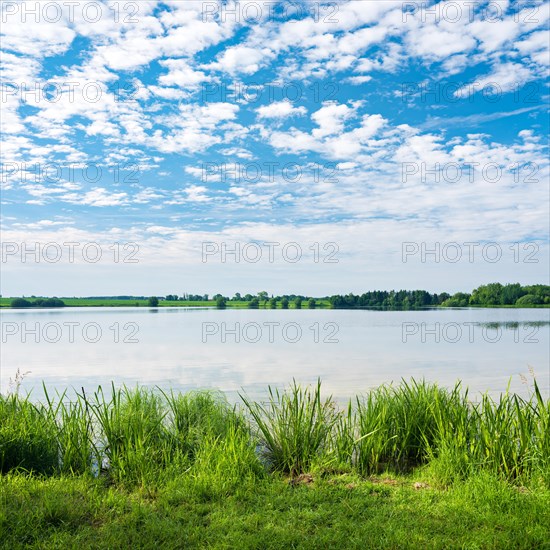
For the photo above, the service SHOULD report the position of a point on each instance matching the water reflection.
(351, 351)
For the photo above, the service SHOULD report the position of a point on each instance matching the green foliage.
(134, 440)
(511, 294)
(38, 302)
(528, 300)
(295, 427)
(153, 301)
(27, 436)
(221, 302)
(138, 437)
(459, 299)
(196, 416)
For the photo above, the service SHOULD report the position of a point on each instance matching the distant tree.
(542, 291)
(20, 302)
(529, 300)
(153, 301)
(53, 302)
(311, 303)
(487, 295)
(273, 303)
(221, 302)
(254, 303)
(511, 293)
(298, 303)
(262, 296)
(459, 299)
(284, 303)
(237, 297)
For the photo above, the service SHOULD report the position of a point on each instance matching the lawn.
(332, 511)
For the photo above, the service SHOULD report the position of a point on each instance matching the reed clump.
(136, 436)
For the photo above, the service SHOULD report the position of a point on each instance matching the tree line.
(490, 295)
(493, 294)
(39, 302)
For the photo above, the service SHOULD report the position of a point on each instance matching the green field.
(103, 302)
(408, 466)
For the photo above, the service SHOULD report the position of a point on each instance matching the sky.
(313, 148)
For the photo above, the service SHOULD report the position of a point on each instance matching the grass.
(295, 427)
(411, 465)
(113, 302)
(339, 511)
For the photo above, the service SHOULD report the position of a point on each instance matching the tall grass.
(133, 436)
(399, 427)
(27, 436)
(295, 427)
(131, 433)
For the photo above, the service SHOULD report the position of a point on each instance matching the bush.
(529, 300)
(20, 302)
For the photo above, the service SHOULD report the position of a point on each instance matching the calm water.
(231, 350)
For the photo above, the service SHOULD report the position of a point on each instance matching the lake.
(233, 350)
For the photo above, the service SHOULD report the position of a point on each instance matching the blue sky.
(348, 128)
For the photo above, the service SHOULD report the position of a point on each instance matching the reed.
(27, 436)
(295, 427)
(135, 436)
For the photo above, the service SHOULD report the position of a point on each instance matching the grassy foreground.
(408, 466)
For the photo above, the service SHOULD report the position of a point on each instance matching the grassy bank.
(108, 302)
(405, 466)
(338, 511)
(320, 304)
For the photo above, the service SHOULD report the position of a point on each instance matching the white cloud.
(241, 59)
(280, 109)
(505, 77)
